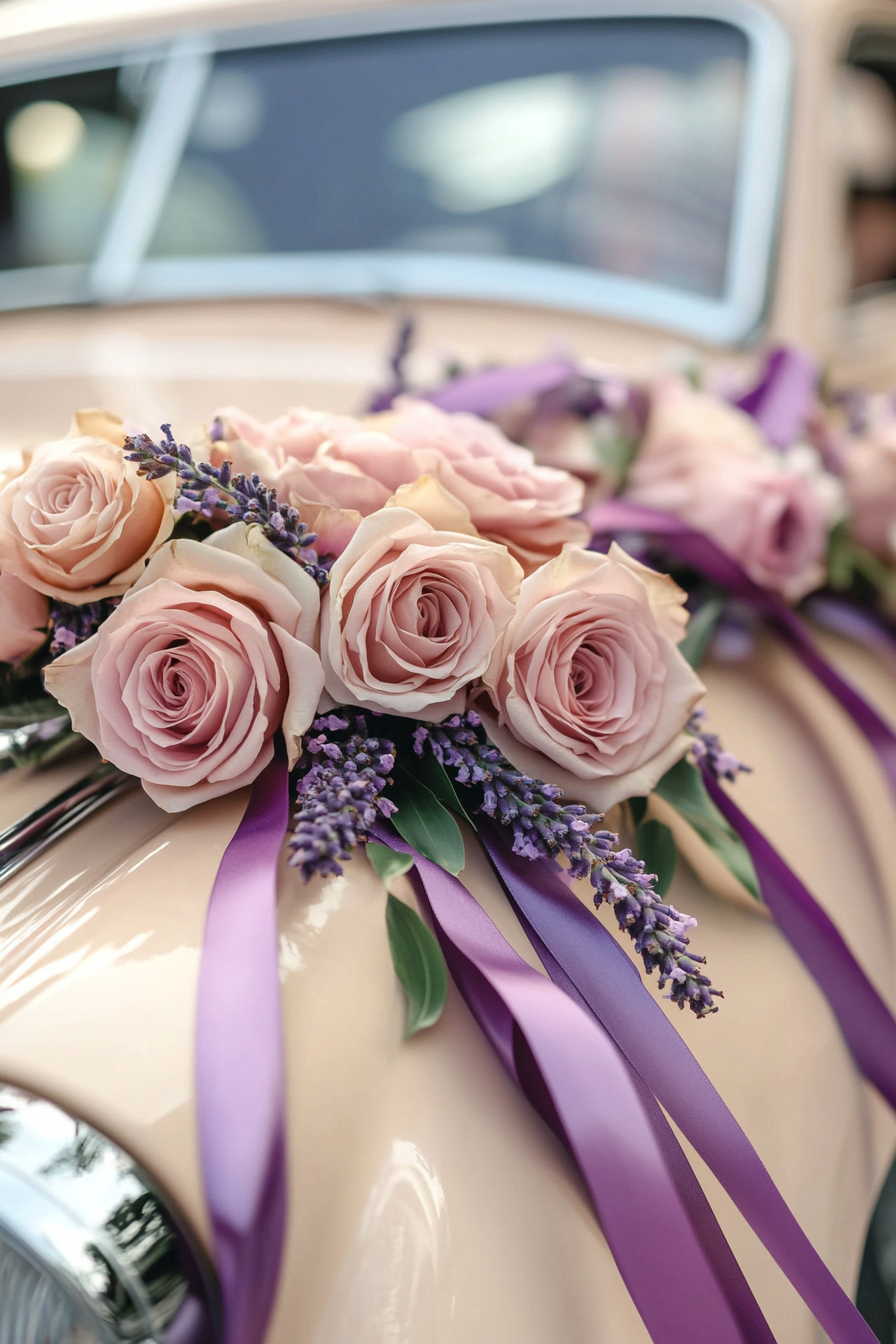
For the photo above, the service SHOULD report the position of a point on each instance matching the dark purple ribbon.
(239, 1064)
(567, 1066)
(782, 399)
(580, 954)
(864, 1018)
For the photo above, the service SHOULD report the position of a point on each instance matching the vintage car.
(207, 202)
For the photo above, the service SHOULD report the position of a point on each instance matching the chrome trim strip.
(155, 153)
(26, 839)
(365, 275)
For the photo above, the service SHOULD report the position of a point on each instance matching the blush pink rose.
(297, 434)
(868, 473)
(706, 463)
(412, 615)
(590, 689)
(208, 655)
(79, 522)
(511, 500)
(24, 616)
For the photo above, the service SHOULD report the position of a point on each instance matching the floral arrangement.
(458, 611)
(406, 601)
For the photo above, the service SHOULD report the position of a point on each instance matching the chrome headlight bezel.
(84, 1214)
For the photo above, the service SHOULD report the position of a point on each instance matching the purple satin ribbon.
(782, 399)
(486, 392)
(567, 1066)
(239, 1064)
(582, 956)
(864, 1018)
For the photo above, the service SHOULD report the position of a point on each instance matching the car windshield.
(606, 144)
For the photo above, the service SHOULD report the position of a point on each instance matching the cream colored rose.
(79, 522)
(590, 689)
(24, 616)
(208, 655)
(412, 615)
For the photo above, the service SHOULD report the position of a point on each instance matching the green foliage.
(656, 846)
(418, 963)
(425, 823)
(683, 788)
(701, 628)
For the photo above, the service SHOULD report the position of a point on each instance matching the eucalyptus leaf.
(425, 823)
(701, 628)
(683, 788)
(436, 778)
(388, 863)
(418, 963)
(656, 846)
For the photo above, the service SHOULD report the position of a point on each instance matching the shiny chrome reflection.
(90, 1252)
(26, 839)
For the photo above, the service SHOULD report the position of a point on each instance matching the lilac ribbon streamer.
(864, 1018)
(579, 952)
(239, 1064)
(573, 1074)
(781, 400)
(486, 392)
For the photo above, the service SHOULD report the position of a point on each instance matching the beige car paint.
(428, 1204)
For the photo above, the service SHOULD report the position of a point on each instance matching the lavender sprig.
(707, 747)
(341, 795)
(205, 488)
(544, 827)
(70, 625)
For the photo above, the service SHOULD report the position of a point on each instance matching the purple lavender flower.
(544, 827)
(707, 747)
(71, 625)
(205, 488)
(341, 794)
(404, 338)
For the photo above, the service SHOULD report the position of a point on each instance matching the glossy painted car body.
(427, 1203)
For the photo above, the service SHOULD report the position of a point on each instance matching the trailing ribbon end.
(239, 1064)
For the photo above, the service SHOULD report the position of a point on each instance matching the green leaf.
(388, 863)
(638, 807)
(20, 714)
(418, 963)
(683, 788)
(426, 824)
(701, 627)
(656, 846)
(433, 774)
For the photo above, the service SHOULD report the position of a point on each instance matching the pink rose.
(590, 689)
(511, 500)
(869, 479)
(207, 656)
(412, 615)
(78, 522)
(707, 463)
(296, 435)
(24, 616)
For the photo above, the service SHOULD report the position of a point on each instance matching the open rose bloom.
(588, 685)
(208, 656)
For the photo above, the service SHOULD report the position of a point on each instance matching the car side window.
(868, 129)
(64, 142)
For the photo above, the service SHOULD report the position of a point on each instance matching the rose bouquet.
(401, 630)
